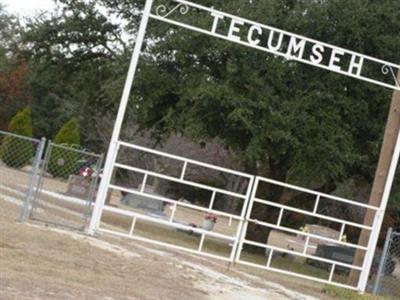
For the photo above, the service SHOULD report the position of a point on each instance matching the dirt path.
(37, 262)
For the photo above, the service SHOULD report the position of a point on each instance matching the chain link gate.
(19, 166)
(388, 274)
(67, 186)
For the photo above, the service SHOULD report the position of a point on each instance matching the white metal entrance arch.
(323, 56)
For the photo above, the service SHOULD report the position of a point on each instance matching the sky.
(27, 7)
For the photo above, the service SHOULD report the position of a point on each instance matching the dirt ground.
(44, 262)
(39, 262)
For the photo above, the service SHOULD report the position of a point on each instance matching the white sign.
(282, 43)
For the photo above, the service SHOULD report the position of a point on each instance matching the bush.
(16, 152)
(69, 134)
(64, 162)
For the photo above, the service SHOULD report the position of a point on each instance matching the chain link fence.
(387, 280)
(67, 186)
(19, 165)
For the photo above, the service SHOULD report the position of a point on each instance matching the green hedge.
(16, 152)
(69, 134)
(64, 162)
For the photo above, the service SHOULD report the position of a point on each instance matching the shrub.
(16, 152)
(68, 134)
(64, 162)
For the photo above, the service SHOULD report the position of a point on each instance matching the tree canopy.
(287, 120)
(281, 119)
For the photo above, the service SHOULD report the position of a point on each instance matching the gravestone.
(323, 232)
(145, 202)
(79, 186)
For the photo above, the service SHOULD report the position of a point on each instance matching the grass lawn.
(343, 294)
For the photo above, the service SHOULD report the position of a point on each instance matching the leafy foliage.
(63, 159)
(69, 134)
(21, 123)
(48, 107)
(286, 120)
(16, 152)
(280, 119)
(78, 53)
(15, 92)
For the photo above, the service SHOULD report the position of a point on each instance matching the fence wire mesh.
(19, 160)
(67, 186)
(387, 281)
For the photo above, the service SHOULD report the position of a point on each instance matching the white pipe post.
(378, 220)
(245, 217)
(114, 146)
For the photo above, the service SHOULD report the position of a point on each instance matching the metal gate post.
(114, 146)
(248, 211)
(39, 183)
(378, 220)
(32, 181)
(241, 233)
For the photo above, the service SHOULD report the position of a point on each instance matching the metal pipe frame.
(76, 150)
(383, 63)
(33, 180)
(378, 220)
(170, 223)
(6, 133)
(308, 236)
(250, 196)
(114, 147)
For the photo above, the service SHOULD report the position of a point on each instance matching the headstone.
(79, 186)
(324, 232)
(143, 201)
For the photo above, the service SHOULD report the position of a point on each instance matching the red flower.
(211, 217)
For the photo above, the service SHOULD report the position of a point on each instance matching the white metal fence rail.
(175, 204)
(307, 236)
(331, 270)
(164, 11)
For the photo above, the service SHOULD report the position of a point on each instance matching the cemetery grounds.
(41, 261)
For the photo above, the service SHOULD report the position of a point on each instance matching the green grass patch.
(344, 294)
